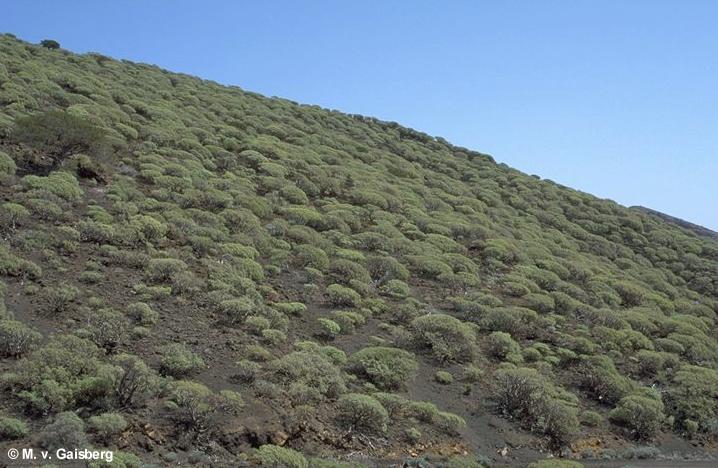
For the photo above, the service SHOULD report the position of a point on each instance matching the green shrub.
(692, 396)
(67, 430)
(383, 269)
(50, 44)
(59, 134)
(290, 308)
(61, 374)
(362, 412)
(472, 373)
(396, 288)
(342, 296)
(413, 435)
(11, 428)
(165, 269)
(531, 354)
(236, 310)
(177, 360)
(91, 277)
(526, 395)
(133, 381)
(554, 463)
(328, 328)
(148, 228)
(191, 405)
(603, 382)
(142, 314)
(256, 324)
(274, 337)
(347, 271)
(7, 165)
(423, 411)
(649, 362)
(443, 377)
(11, 265)
(57, 299)
(13, 215)
(312, 369)
(387, 368)
(280, 457)
(349, 321)
(541, 303)
(107, 425)
(16, 339)
(429, 267)
(692, 427)
(450, 423)
(107, 328)
(61, 184)
(641, 414)
(591, 418)
(502, 346)
(448, 338)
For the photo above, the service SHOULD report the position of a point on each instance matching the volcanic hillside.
(193, 273)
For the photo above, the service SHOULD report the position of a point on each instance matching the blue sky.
(615, 98)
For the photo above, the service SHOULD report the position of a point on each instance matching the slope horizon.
(495, 157)
(599, 99)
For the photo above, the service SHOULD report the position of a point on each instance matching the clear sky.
(616, 98)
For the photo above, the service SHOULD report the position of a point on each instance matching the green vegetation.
(199, 265)
(276, 457)
(387, 368)
(11, 428)
(178, 360)
(447, 337)
(362, 412)
(642, 413)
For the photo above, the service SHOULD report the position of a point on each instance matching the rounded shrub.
(591, 418)
(501, 346)
(107, 425)
(177, 360)
(67, 430)
(362, 412)
(641, 413)
(11, 428)
(387, 368)
(443, 377)
(448, 338)
(274, 456)
(16, 338)
(339, 295)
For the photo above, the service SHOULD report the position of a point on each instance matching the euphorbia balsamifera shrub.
(194, 406)
(313, 369)
(528, 396)
(274, 455)
(640, 413)
(63, 374)
(178, 360)
(502, 346)
(598, 375)
(448, 338)
(387, 368)
(362, 412)
(342, 296)
(17, 339)
(692, 397)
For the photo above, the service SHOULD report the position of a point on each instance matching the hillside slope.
(196, 273)
(700, 230)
